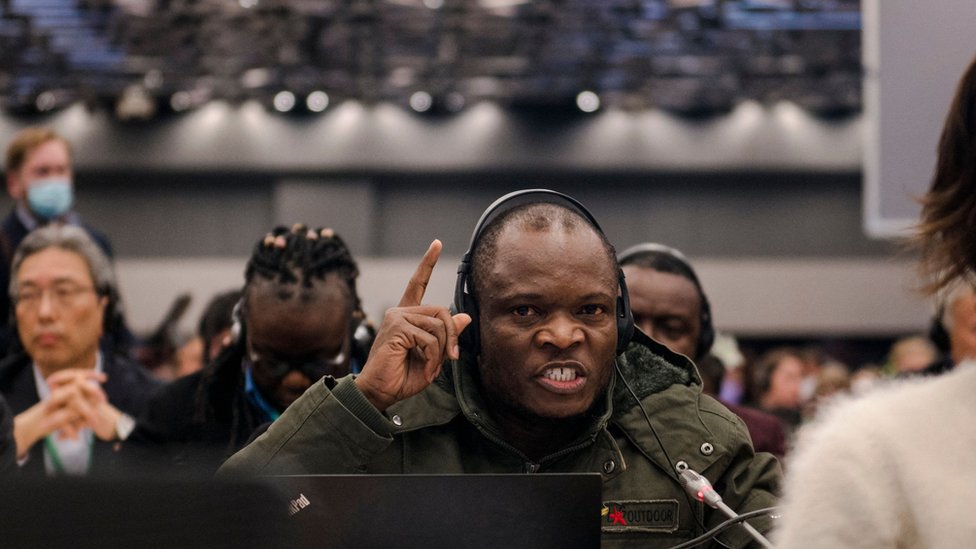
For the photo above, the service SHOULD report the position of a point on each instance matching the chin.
(562, 410)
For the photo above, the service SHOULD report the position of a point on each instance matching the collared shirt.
(30, 222)
(73, 455)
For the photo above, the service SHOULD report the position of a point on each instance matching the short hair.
(906, 345)
(761, 373)
(25, 141)
(948, 222)
(663, 260)
(534, 217)
(300, 255)
(73, 239)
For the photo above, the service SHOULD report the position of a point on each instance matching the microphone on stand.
(699, 488)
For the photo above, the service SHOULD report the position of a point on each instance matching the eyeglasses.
(312, 369)
(62, 296)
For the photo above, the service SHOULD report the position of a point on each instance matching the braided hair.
(286, 256)
(301, 255)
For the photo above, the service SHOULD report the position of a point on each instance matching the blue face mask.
(50, 198)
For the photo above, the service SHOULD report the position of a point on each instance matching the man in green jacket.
(542, 381)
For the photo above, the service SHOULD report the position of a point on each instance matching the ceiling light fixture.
(421, 101)
(284, 101)
(317, 101)
(588, 101)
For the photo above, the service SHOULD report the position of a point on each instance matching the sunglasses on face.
(313, 369)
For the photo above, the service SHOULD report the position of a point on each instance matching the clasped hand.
(76, 401)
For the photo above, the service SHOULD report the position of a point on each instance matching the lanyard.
(56, 463)
(253, 394)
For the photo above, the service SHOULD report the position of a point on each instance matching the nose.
(560, 331)
(296, 381)
(45, 307)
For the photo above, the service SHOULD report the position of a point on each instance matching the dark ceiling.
(688, 56)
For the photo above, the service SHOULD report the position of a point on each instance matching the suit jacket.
(128, 388)
(8, 446)
(196, 422)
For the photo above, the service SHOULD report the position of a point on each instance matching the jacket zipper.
(529, 465)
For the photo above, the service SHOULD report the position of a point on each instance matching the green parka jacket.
(333, 429)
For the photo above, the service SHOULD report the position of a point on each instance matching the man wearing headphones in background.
(539, 369)
(670, 305)
(299, 319)
(72, 401)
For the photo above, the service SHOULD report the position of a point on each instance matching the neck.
(537, 437)
(87, 362)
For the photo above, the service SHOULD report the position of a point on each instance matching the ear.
(102, 310)
(15, 186)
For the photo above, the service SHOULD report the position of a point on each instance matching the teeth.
(561, 374)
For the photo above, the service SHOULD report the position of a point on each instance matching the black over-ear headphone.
(706, 336)
(464, 301)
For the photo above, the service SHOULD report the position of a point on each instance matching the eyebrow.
(534, 296)
(56, 282)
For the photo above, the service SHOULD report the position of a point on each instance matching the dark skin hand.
(412, 342)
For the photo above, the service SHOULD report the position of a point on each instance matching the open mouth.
(560, 374)
(562, 379)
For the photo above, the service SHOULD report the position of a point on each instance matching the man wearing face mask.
(39, 179)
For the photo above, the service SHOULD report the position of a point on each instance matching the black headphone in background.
(464, 302)
(362, 333)
(706, 336)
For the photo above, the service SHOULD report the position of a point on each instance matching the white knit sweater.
(895, 468)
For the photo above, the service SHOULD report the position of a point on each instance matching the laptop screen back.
(434, 511)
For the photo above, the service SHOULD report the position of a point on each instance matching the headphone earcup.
(625, 327)
(706, 336)
(361, 340)
(625, 316)
(470, 339)
(237, 328)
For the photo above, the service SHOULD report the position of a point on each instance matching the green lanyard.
(52, 452)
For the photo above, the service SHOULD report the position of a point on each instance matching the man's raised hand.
(412, 342)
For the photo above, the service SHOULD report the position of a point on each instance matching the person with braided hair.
(299, 319)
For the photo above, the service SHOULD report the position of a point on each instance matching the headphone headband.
(464, 302)
(706, 336)
(518, 198)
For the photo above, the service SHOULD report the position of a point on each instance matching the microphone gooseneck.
(698, 487)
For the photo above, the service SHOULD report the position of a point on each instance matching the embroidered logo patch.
(643, 515)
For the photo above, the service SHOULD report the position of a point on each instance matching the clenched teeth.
(560, 374)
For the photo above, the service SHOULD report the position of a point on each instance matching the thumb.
(461, 321)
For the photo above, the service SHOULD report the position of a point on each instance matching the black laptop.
(443, 511)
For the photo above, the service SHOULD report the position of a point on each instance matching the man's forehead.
(516, 240)
(54, 264)
(526, 260)
(330, 288)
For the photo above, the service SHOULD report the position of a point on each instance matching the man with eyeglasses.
(40, 180)
(72, 403)
(299, 319)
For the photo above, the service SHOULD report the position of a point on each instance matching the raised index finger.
(414, 294)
